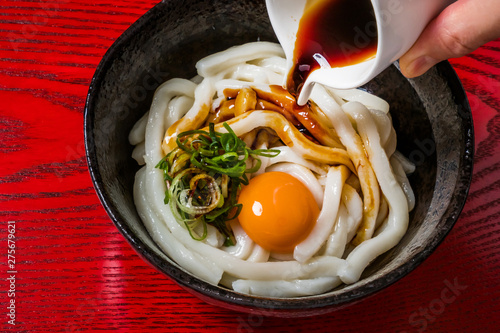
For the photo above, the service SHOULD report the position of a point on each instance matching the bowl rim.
(271, 306)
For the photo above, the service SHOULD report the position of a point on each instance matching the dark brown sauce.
(342, 32)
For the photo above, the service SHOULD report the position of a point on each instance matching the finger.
(460, 29)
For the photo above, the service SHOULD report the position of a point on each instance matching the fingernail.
(419, 66)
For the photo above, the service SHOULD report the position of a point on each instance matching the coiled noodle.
(348, 162)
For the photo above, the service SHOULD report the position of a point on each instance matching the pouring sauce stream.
(335, 33)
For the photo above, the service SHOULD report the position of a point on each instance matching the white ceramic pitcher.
(399, 23)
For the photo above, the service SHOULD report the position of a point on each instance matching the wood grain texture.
(75, 272)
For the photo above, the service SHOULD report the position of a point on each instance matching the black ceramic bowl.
(431, 116)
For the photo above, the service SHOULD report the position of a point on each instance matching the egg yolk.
(278, 211)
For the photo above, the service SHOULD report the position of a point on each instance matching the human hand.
(460, 29)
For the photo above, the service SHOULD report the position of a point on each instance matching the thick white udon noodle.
(326, 258)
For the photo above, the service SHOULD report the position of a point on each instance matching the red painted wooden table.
(74, 271)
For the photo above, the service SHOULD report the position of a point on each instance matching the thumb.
(460, 29)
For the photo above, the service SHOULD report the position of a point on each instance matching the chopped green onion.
(196, 170)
